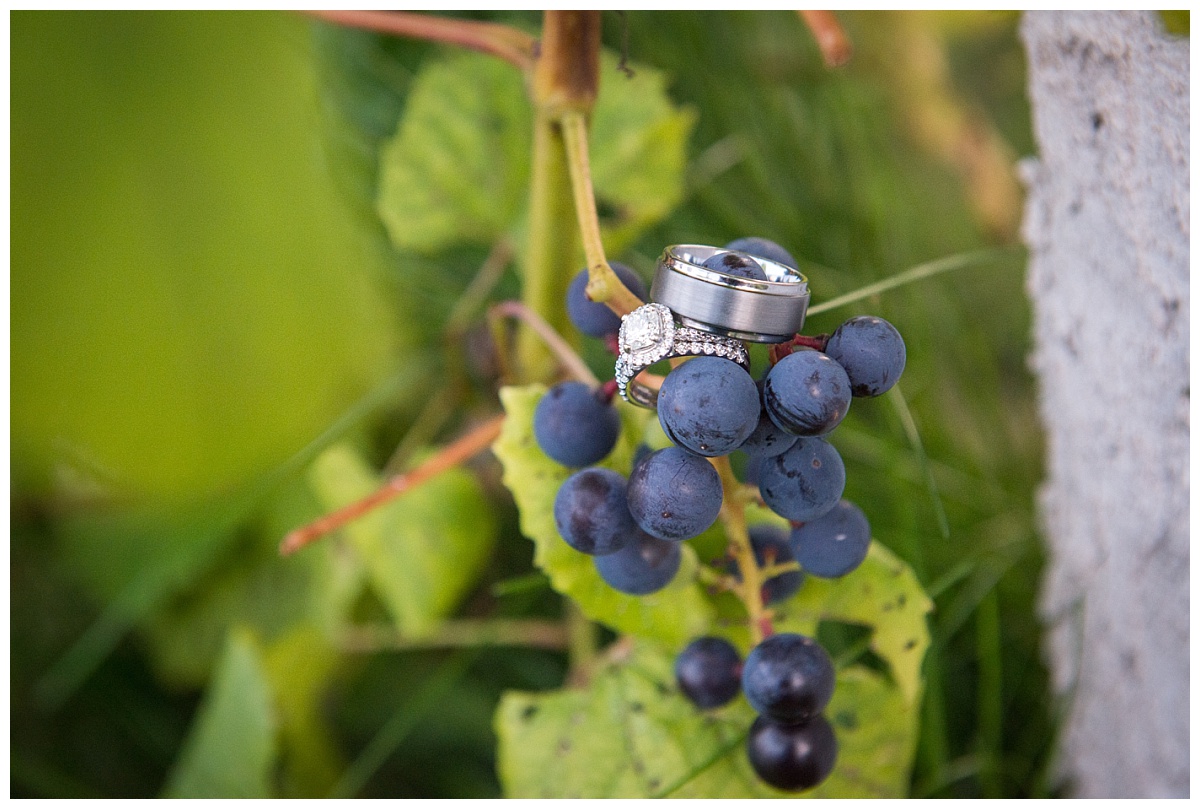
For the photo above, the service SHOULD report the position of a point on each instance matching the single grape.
(591, 512)
(645, 565)
(806, 393)
(770, 545)
(736, 264)
(804, 482)
(767, 439)
(792, 757)
(764, 248)
(709, 672)
(574, 425)
(709, 406)
(788, 677)
(871, 351)
(674, 494)
(596, 319)
(834, 544)
(753, 469)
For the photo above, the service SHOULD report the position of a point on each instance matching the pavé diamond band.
(650, 334)
(770, 311)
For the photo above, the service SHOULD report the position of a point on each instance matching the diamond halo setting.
(649, 334)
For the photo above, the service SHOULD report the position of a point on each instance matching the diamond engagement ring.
(649, 334)
(770, 311)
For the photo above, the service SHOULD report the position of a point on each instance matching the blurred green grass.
(199, 288)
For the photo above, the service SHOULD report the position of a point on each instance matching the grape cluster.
(709, 407)
(788, 679)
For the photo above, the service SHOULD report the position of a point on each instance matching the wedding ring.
(770, 311)
(650, 334)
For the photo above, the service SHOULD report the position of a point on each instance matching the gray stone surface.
(1107, 223)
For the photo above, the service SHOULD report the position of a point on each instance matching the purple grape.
(674, 494)
(709, 406)
(736, 264)
(792, 757)
(574, 425)
(709, 672)
(767, 440)
(645, 565)
(788, 677)
(806, 393)
(591, 512)
(871, 351)
(763, 248)
(596, 319)
(834, 544)
(804, 482)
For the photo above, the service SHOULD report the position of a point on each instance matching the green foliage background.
(214, 341)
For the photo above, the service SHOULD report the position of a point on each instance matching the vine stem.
(510, 44)
(604, 286)
(553, 340)
(453, 454)
(733, 515)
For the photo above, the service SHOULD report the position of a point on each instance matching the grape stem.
(780, 350)
(604, 286)
(503, 41)
(733, 515)
(466, 446)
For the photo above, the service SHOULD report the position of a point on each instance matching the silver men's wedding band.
(770, 311)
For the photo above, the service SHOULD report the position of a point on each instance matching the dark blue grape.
(764, 248)
(835, 544)
(574, 425)
(674, 494)
(872, 353)
(644, 566)
(788, 677)
(709, 672)
(752, 470)
(804, 482)
(591, 512)
(596, 319)
(792, 757)
(767, 439)
(806, 393)
(736, 264)
(770, 545)
(709, 406)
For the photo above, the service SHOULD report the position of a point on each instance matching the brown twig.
(450, 456)
(553, 340)
(831, 39)
(503, 41)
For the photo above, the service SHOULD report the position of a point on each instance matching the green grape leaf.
(639, 151)
(423, 550)
(458, 166)
(457, 169)
(884, 594)
(231, 748)
(631, 734)
(672, 615)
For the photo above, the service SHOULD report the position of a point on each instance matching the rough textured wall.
(1107, 226)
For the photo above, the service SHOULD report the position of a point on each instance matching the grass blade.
(917, 273)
